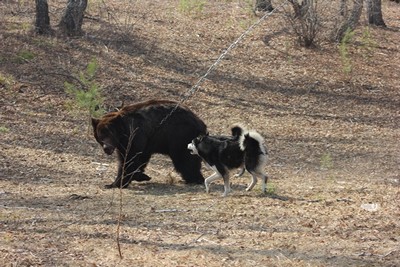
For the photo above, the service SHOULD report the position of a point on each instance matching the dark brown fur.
(135, 133)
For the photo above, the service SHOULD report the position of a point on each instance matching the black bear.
(156, 126)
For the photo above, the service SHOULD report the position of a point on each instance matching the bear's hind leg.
(188, 166)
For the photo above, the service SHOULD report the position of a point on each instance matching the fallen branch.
(170, 210)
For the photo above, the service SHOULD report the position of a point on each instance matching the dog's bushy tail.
(252, 143)
(252, 140)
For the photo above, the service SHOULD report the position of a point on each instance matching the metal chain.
(194, 88)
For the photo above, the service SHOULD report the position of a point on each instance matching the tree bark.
(264, 5)
(71, 22)
(374, 12)
(352, 21)
(300, 9)
(343, 8)
(42, 23)
(296, 8)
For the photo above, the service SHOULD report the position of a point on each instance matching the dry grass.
(332, 137)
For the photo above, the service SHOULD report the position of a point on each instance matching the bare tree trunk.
(343, 8)
(264, 5)
(374, 12)
(352, 21)
(71, 22)
(296, 8)
(301, 8)
(305, 21)
(42, 23)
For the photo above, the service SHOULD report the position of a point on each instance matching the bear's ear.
(95, 122)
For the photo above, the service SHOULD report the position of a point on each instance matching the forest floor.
(332, 135)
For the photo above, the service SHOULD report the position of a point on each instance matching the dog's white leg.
(253, 182)
(264, 183)
(227, 186)
(211, 179)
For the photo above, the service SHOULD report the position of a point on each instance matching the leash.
(196, 86)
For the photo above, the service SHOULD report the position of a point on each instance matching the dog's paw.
(207, 187)
(226, 192)
(264, 189)
(249, 187)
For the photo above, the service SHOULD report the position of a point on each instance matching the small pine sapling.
(87, 97)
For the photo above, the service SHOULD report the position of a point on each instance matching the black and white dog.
(244, 149)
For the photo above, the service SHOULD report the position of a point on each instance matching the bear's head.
(105, 132)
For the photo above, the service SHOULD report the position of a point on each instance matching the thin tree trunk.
(71, 22)
(343, 8)
(300, 8)
(352, 21)
(296, 8)
(42, 23)
(374, 12)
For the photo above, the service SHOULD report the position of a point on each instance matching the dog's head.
(194, 145)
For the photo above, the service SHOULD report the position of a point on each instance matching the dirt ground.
(333, 140)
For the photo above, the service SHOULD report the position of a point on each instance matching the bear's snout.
(108, 149)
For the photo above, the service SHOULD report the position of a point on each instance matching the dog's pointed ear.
(207, 134)
(201, 137)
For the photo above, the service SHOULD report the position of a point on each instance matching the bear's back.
(145, 105)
